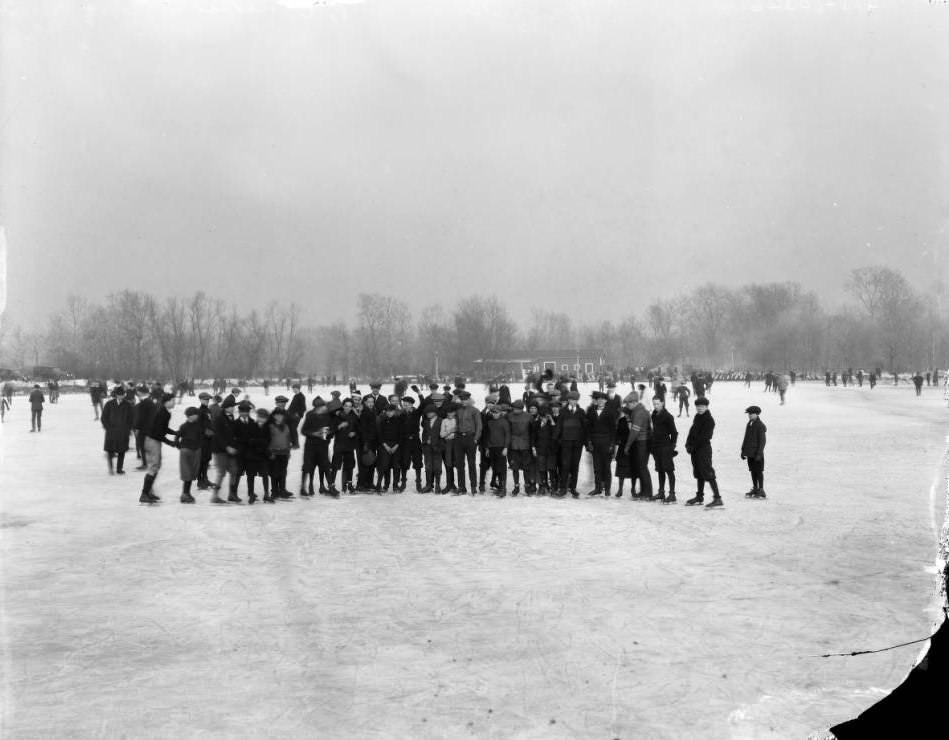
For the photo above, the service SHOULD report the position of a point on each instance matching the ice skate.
(514, 491)
(594, 492)
(146, 498)
(715, 503)
(670, 499)
(759, 494)
(268, 499)
(251, 498)
(695, 501)
(215, 499)
(235, 499)
(187, 498)
(660, 496)
(751, 493)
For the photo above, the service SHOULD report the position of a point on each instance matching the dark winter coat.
(297, 407)
(243, 432)
(431, 428)
(347, 437)
(664, 432)
(497, 432)
(117, 417)
(189, 435)
(159, 429)
(223, 433)
(369, 429)
(143, 413)
(391, 429)
(318, 425)
(521, 437)
(602, 426)
(752, 446)
(572, 425)
(700, 435)
(545, 435)
(257, 442)
(37, 399)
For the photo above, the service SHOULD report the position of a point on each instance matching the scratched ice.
(431, 617)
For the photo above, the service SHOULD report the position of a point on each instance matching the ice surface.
(430, 617)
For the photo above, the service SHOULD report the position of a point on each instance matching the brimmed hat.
(750, 409)
(204, 396)
(701, 401)
(517, 404)
(245, 406)
(191, 411)
(263, 413)
(165, 397)
(228, 404)
(597, 395)
(281, 399)
(573, 396)
(318, 401)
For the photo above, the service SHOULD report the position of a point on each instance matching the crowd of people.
(373, 443)
(531, 445)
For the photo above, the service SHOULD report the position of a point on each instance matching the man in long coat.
(117, 419)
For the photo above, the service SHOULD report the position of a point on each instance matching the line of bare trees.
(887, 324)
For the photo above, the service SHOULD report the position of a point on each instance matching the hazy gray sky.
(582, 156)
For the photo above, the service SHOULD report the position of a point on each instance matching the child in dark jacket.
(188, 439)
(752, 450)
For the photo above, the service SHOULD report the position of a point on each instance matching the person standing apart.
(699, 446)
(752, 450)
(117, 418)
(37, 399)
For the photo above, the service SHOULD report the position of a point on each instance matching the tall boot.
(437, 486)
(251, 496)
(418, 481)
(108, 458)
(120, 463)
(147, 496)
(186, 497)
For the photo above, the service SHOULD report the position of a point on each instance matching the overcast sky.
(580, 156)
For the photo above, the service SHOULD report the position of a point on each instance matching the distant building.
(519, 364)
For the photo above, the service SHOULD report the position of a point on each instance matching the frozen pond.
(421, 616)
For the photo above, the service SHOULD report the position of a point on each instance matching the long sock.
(187, 486)
(120, 461)
(517, 477)
(713, 484)
(760, 481)
(701, 487)
(662, 481)
(672, 482)
(147, 485)
(250, 484)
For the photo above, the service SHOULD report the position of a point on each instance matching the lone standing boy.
(752, 450)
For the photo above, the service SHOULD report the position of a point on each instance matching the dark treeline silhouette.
(886, 324)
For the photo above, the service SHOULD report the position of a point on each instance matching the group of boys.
(371, 443)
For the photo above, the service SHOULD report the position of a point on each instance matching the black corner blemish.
(553, 721)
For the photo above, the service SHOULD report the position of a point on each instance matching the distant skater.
(37, 399)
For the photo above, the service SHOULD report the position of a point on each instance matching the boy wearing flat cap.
(752, 450)
(699, 446)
